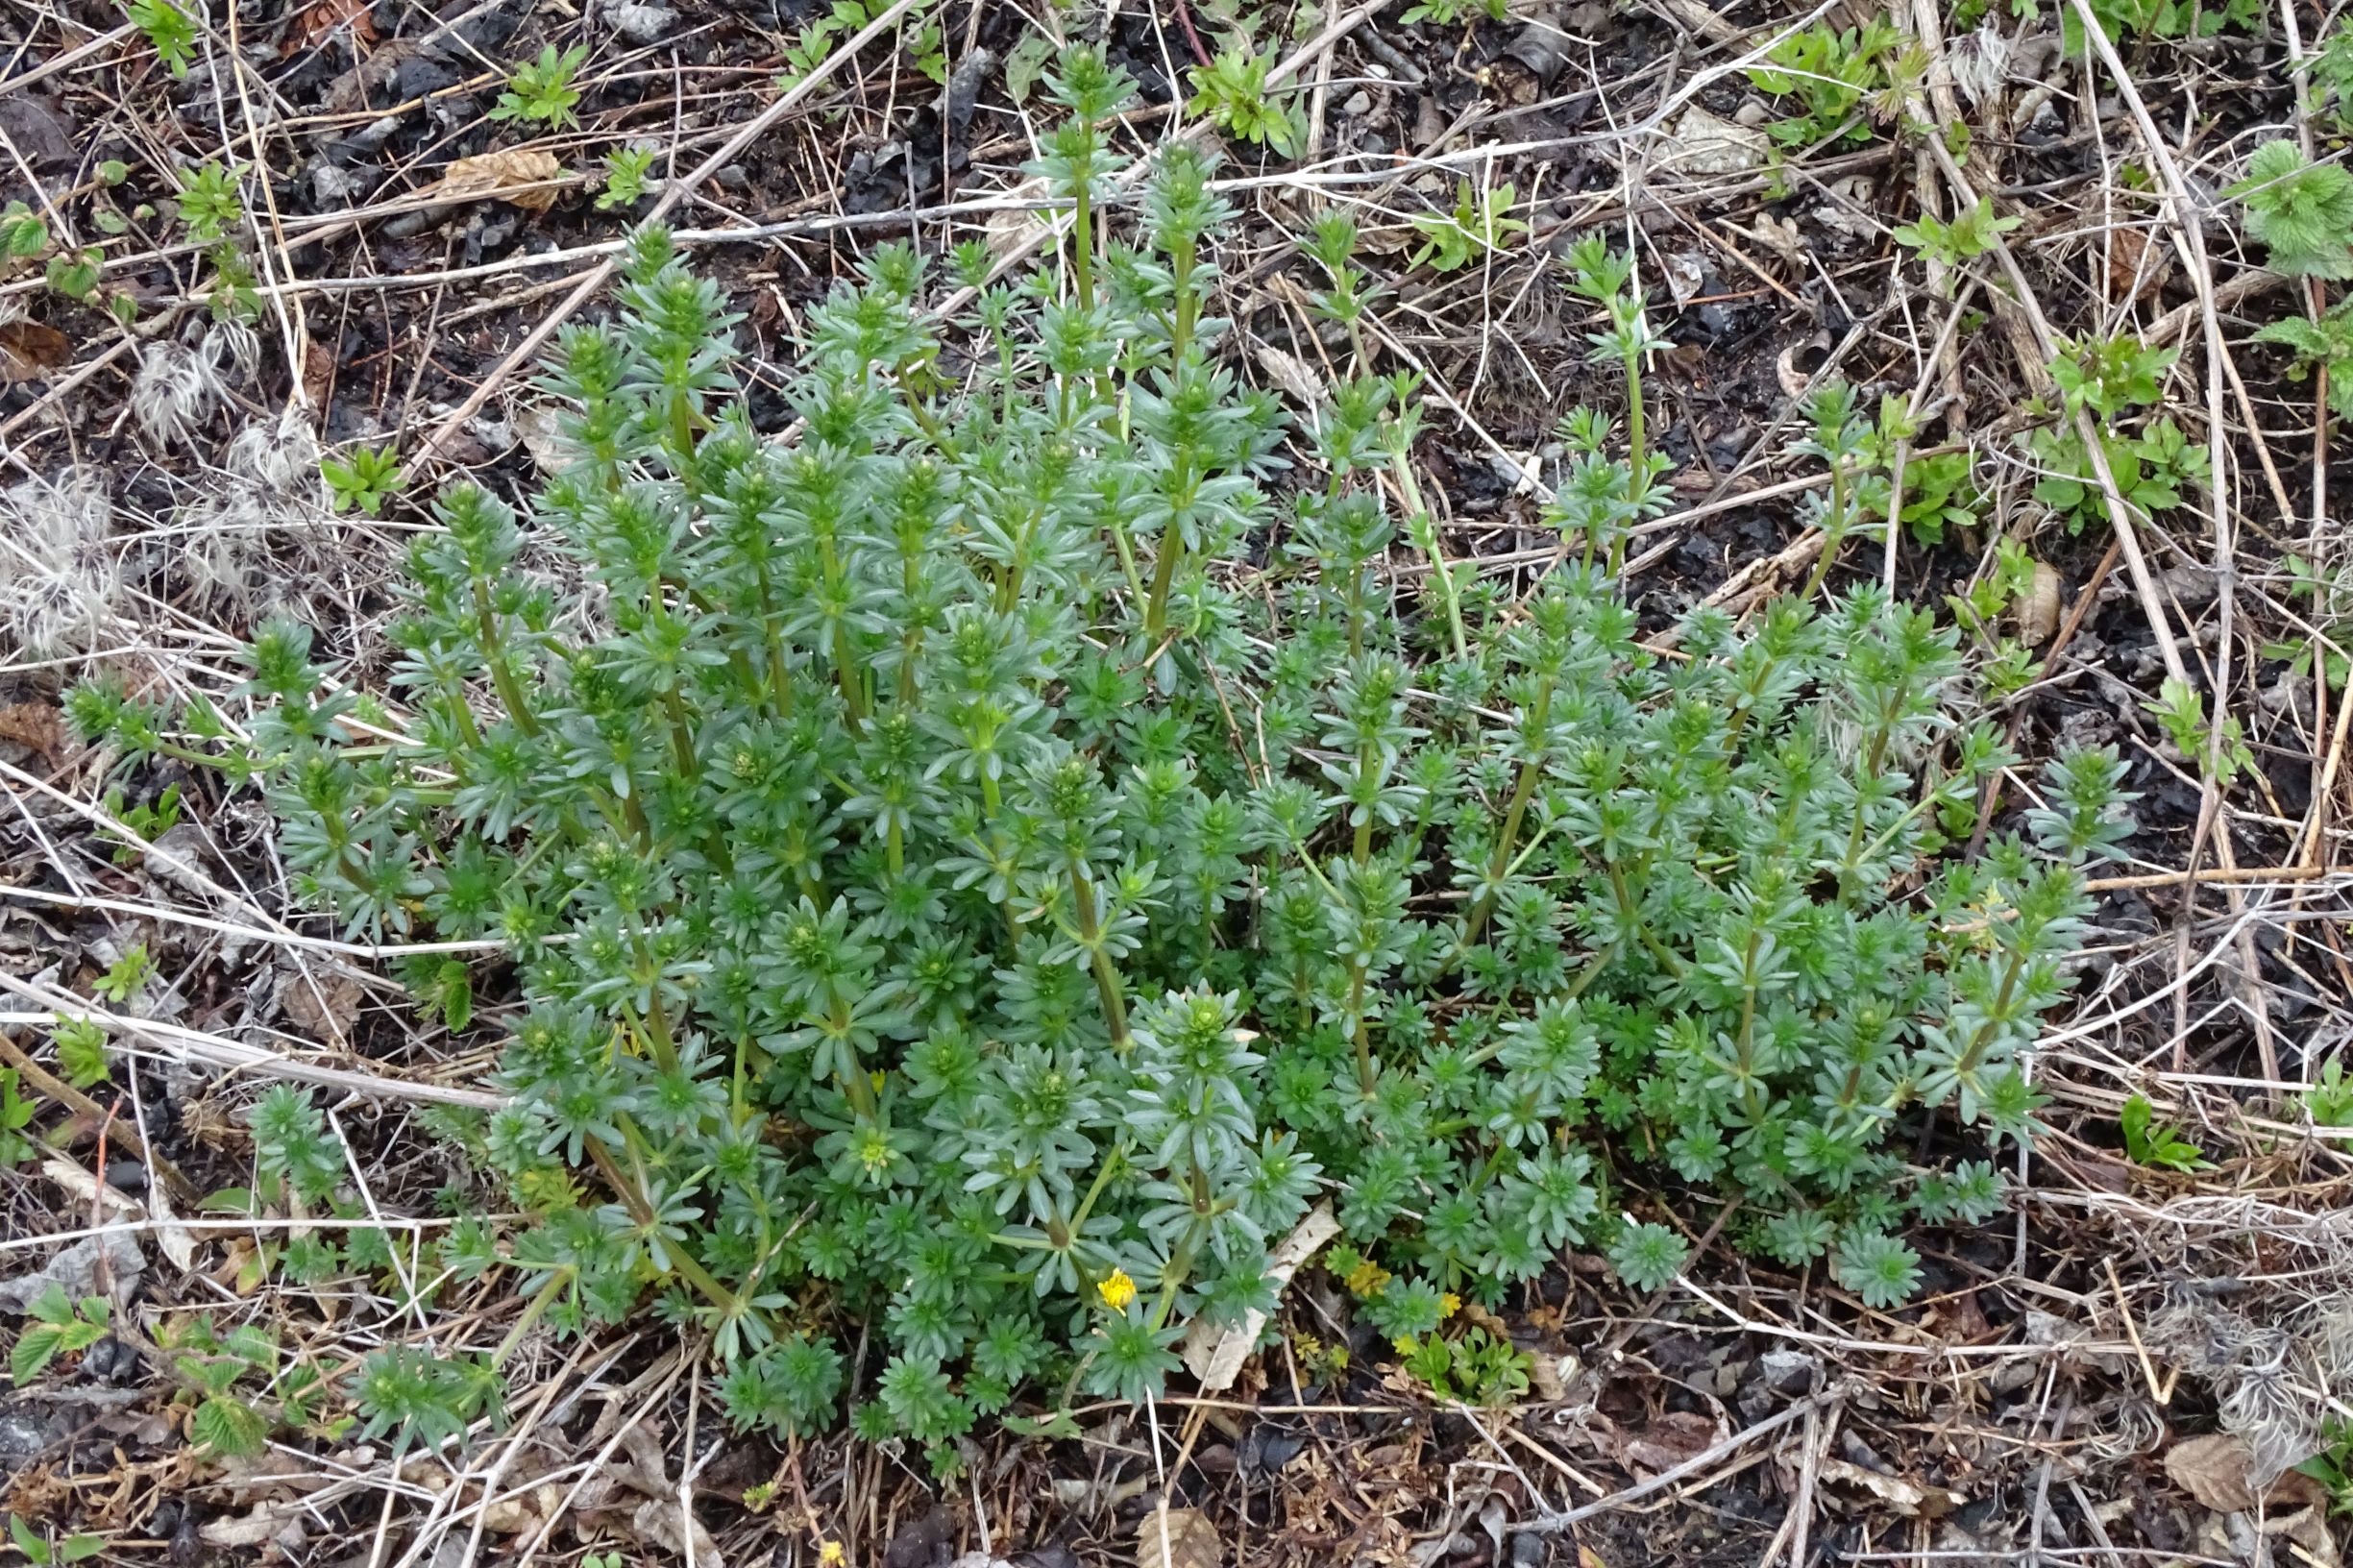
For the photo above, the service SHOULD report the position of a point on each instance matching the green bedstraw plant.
(542, 90)
(981, 866)
(1230, 91)
(171, 31)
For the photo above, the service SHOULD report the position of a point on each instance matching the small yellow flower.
(1449, 1305)
(1117, 1289)
(1404, 1344)
(832, 1552)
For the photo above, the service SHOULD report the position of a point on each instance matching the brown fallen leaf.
(2218, 1471)
(318, 372)
(511, 176)
(38, 725)
(2132, 270)
(320, 20)
(1176, 1539)
(30, 351)
(2213, 1470)
(1674, 1438)
(321, 1004)
(1293, 375)
(1908, 1497)
(2038, 608)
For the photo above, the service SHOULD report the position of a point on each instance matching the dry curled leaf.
(1215, 1356)
(1908, 1497)
(2135, 267)
(1176, 1539)
(1673, 1439)
(517, 175)
(30, 351)
(1011, 228)
(2038, 608)
(1293, 375)
(321, 1003)
(2213, 1470)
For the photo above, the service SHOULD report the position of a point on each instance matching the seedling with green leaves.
(126, 976)
(2181, 708)
(816, 40)
(1974, 234)
(146, 823)
(1838, 78)
(60, 1326)
(541, 92)
(75, 274)
(1447, 13)
(2324, 345)
(2333, 1465)
(242, 1383)
(23, 236)
(2329, 1099)
(1479, 226)
(1231, 94)
(210, 203)
(2148, 1141)
(2324, 596)
(1475, 1367)
(16, 1113)
(2124, 21)
(1996, 591)
(171, 31)
(80, 1048)
(2109, 378)
(955, 882)
(625, 170)
(41, 1551)
(1939, 492)
(363, 480)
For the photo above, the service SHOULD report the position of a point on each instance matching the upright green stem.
(1082, 243)
(1107, 983)
(1833, 529)
(494, 655)
(1181, 283)
(1522, 790)
(1639, 458)
(1360, 1032)
(1401, 466)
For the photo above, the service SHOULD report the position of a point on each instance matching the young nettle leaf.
(2324, 344)
(227, 1428)
(2301, 211)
